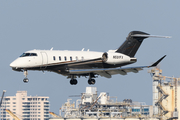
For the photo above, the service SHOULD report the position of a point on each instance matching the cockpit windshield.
(28, 54)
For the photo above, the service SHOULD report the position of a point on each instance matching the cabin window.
(54, 58)
(76, 58)
(70, 58)
(65, 58)
(59, 58)
(82, 58)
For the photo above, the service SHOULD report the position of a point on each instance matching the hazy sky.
(98, 25)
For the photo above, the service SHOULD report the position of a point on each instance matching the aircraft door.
(44, 59)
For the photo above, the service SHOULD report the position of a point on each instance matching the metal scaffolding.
(159, 94)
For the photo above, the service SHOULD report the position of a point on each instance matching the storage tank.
(104, 98)
(90, 96)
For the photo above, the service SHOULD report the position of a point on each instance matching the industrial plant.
(92, 105)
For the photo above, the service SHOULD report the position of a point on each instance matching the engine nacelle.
(116, 58)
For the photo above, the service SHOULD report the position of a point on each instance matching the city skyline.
(94, 25)
(25, 107)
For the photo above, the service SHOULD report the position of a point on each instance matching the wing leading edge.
(108, 72)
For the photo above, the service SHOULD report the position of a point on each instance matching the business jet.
(90, 64)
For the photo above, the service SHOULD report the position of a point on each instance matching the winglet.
(156, 63)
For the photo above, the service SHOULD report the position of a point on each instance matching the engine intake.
(105, 57)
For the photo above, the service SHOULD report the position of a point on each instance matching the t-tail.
(133, 42)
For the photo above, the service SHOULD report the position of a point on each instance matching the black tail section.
(132, 43)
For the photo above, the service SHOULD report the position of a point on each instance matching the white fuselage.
(45, 58)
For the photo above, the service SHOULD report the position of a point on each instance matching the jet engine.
(115, 58)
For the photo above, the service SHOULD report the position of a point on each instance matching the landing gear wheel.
(25, 80)
(91, 81)
(73, 82)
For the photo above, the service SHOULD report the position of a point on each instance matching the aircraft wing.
(107, 72)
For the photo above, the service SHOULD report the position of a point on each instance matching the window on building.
(14, 102)
(46, 112)
(29, 99)
(14, 98)
(34, 98)
(23, 98)
(146, 109)
(46, 109)
(59, 58)
(6, 99)
(46, 106)
(42, 99)
(65, 58)
(54, 58)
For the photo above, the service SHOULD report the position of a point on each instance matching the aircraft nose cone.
(12, 64)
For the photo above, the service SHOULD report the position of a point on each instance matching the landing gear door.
(44, 60)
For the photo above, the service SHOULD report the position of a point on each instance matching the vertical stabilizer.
(132, 43)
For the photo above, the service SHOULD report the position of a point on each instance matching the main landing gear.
(25, 80)
(91, 81)
(73, 81)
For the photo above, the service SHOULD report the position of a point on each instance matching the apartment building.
(25, 107)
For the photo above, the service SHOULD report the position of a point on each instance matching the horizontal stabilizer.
(156, 36)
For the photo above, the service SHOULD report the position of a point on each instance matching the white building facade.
(25, 107)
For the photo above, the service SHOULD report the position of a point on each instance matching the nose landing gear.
(25, 80)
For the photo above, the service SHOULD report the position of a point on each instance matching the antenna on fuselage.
(51, 48)
(82, 49)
